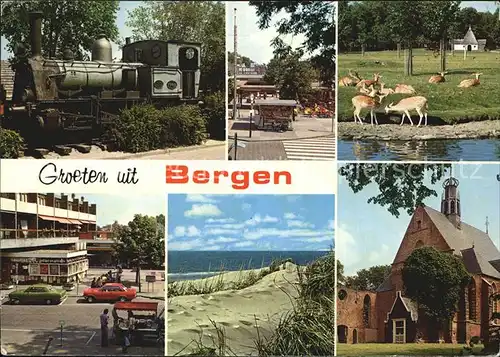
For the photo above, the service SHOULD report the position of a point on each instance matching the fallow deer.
(365, 90)
(384, 90)
(466, 83)
(371, 101)
(412, 103)
(404, 89)
(438, 78)
(351, 80)
(369, 82)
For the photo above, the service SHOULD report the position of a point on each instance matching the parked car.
(110, 292)
(39, 293)
(6, 286)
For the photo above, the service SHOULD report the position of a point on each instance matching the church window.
(419, 224)
(419, 244)
(472, 300)
(366, 310)
(342, 294)
(452, 208)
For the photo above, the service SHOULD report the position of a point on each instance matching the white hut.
(469, 42)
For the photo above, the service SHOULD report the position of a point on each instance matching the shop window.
(54, 269)
(63, 269)
(44, 269)
(34, 269)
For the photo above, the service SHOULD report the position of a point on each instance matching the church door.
(354, 336)
(399, 331)
(342, 334)
(469, 48)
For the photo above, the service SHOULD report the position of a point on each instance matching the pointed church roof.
(465, 237)
(476, 264)
(470, 38)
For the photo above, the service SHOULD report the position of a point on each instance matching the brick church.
(386, 315)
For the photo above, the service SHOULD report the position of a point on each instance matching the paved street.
(322, 148)
(25, 329)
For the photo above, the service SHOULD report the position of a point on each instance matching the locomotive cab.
(171, 71)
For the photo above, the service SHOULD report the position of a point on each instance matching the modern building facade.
(387, 315)
(40, 237)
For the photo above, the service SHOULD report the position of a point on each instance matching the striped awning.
(74, 221)
(53, 219)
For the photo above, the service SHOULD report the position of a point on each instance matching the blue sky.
(368, 235)
(122, 208)
(250, 222)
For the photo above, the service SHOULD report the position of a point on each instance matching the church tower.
(450, 201)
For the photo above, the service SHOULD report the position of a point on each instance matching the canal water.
(427, 150)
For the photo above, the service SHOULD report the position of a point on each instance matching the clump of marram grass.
(217, 283)
(308, 329)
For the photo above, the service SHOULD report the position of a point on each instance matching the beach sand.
(236, 311)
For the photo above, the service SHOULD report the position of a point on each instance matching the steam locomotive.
(60, 95)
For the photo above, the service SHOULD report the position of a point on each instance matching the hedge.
(215, 115)
(144, 128)
(11, 143)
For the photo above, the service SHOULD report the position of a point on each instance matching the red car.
(109, 292)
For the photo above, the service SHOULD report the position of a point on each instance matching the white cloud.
(326, 238)
(256, 219)
(380, 256)
(217, 231)
(185, 245)
(283, 233)
(243, 244)
(219, 220)
(294, 223)
(221, 240)
(292, 198)
(346, 250)
(246, 206)
(290, 215)
(214, 247)
(191, 231)
(226, 226)
(203, 210)
(331, 224)
(200, 198)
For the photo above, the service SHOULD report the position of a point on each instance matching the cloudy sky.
(368, 235)
(122, 208)
(250, 222)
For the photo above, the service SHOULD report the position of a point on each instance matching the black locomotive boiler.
(58, 96)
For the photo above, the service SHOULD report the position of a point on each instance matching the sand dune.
(236, 311)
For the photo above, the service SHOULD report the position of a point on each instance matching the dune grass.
(448, 104)
(406, 349)
(306, 330)
(244, 279)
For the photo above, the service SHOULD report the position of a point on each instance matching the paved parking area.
(26, 330)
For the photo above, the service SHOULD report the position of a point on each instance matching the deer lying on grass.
(412, 103)
(438, 78)
(404, 89)
(351, 80)
(371, 101)
(369, 82)
(466, 83)
(384, 90)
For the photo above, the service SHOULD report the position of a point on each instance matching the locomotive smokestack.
(127, 40)
(36, 33)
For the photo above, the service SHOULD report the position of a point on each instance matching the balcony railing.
(36, 233)
(53, 233)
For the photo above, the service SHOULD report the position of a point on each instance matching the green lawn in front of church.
(403, 349)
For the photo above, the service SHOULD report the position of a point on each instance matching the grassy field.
(447, 103)
(407, 349)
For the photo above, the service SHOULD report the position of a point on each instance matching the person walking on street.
(104, 318)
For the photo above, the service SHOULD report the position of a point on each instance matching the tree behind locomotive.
(62, 100)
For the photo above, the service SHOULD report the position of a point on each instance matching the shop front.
(68, 267)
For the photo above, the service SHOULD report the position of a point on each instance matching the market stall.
(140, 322)
(275, 114)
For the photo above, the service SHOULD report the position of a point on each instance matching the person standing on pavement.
(104, 318)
